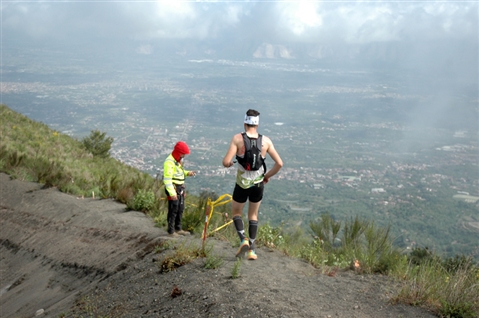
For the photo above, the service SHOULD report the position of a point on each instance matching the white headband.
(251, 120)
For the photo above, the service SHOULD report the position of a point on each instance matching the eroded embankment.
(54, 245)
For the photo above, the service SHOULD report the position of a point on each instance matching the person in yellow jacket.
(174, 180)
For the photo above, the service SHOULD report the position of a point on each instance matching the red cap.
(182, 148)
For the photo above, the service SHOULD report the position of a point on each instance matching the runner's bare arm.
(278, 162)
(232, 150)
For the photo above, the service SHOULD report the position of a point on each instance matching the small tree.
(98, 144)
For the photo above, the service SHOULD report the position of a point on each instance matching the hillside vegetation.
(31, 151)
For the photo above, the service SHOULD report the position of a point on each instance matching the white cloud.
(233, 14)
(372, 24)
(299, 17)
(146, 49)
(274, 22)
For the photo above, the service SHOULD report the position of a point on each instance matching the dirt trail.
(62, 255)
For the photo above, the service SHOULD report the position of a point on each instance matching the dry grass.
(449, 294)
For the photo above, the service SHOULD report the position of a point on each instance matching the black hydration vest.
(252, 159)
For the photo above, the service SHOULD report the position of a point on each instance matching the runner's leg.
(253, 209)
(237, 211)
(252, 231)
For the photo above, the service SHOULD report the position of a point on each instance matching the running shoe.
(251, 255)
(244, 247)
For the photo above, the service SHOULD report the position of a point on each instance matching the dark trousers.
(175, 212)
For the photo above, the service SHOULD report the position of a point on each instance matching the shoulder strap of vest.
(247, 141)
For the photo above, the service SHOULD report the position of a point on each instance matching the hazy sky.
(273, 22)
(438, 37)
(431, 38)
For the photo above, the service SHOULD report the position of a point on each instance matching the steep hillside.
(63, 256)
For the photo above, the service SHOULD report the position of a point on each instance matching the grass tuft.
(181, 255)
(235, 271)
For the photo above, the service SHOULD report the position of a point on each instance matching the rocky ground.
(63, 256)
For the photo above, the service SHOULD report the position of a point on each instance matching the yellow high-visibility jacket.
(173, 174)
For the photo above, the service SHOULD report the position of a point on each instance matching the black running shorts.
(254, 194)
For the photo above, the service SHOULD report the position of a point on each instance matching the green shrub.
(314, 253)
(419, 256)
(458, 262)
(98, 144)
(461, 310)
(143, 201)
(353, 231)
(194, 216)
(270, 236)
(341, 244)
(325, 229)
